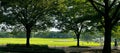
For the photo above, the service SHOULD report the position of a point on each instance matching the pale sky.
(54, 29)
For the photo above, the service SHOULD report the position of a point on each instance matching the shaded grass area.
(100, 51)
(21, 48)
(79, 47)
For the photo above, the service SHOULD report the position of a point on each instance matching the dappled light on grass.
(47, 41)
(12, 41)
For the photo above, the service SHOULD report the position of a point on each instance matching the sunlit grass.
(47, 41)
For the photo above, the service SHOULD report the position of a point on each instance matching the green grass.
(47, 41)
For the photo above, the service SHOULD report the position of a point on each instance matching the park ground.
(48, 41)
(50, 45)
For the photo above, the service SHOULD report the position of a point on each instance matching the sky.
(54, 29)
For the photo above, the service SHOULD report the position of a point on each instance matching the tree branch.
(115, 21)
(103, 24)
(98, 3)
(116, 11)
(92, 2)
(112, 4)
(81, 29)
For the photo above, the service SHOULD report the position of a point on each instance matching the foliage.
(53, 35)
(28, 13)
(116, 32)
(21, 34)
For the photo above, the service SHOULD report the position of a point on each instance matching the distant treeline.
(84, 36)
(36, 35)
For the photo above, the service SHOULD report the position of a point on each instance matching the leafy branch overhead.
(113, 9)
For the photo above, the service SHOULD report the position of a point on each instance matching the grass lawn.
(47, 41)
(40, 45)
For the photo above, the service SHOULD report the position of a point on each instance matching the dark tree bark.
(78, 36)
(107, 37)
(78, 40)
(77, 32)
(28, 31)
(115, 44)
(108, 29)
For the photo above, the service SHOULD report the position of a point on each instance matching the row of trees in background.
(36, 35)
(89, 36)
(79, 16)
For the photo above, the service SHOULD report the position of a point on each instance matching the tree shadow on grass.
(79, 47)
(88, 49)
(21, 48)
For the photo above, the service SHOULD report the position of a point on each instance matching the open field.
(47, 41)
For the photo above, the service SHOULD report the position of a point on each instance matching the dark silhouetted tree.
(109, 10)
(29, 13)
(74, 16)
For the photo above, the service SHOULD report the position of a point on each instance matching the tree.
(109, 10)
(29, 13)
(74, 16)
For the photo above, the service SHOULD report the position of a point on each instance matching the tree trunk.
(28, 31)
(108, 28)
(107, 37)
(78, 36)
(115, 44)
